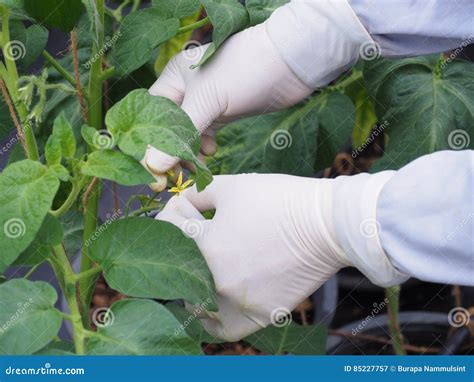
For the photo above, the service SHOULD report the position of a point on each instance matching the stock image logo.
(14, 228)
(14, 50)
(280, 317)
(281, 139)
(103, 317)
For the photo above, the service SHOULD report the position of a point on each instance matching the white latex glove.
(270, 244)
(302, 46)
(246, 76)
(273, 241)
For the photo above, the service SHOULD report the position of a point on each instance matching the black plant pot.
(421, 329)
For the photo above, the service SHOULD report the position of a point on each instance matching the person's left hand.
(270, 244)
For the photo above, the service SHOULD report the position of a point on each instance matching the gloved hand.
(270, 244)
(303, 46)
(247, 76)
(273, 241)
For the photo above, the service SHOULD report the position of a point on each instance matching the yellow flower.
(180, 186)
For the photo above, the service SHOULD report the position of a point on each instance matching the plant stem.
(66, 278)
(193, 26)
(143, 210)
(31, 271)
(87, 284)
(393, 297)
(341, 85)
(63, 72)
(11, 80)
(76, 189)
(107, 73)
(136, 5)
(90, 272)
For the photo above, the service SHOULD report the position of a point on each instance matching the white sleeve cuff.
(318, 39)
(357, 227)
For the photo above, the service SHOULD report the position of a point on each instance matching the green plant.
(66, 145)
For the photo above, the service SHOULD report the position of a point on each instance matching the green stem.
(87, 284)
(67, 317)
(31, 271)
(11, 80)
(90, 272)
(136, 5)
(393, 304)
(68, 203)
(341, 85)
(106, 74)
(62, 71)
(64, 272)
(144, 210)
(193, 26)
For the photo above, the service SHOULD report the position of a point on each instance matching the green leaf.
(426, 106)
(141, 119)
(116, 166)
(176, 8)
(283, 142)
(62, 129)
(365, 117)
(191, 325)
(27, 190)
(72, 223)
(28, 317)
(57, 348)
(141, 327)
(293, 141)
(50, 234)
(36, 40)
(336, 122)
(95, 24)
(260, 10)
(52, 150)
(143, 257)
(26, 44)
(13, 4)
(89, 134)
(60, 14)
(172, 47)
(291, 338)
(227, 17)
(60, 171)
(141, 32)
(16, 153)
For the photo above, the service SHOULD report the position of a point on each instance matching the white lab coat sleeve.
(414, 27)
(426, 215)
(320, 39)
(414, 222)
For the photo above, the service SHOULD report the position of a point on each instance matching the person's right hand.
(247, 76)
